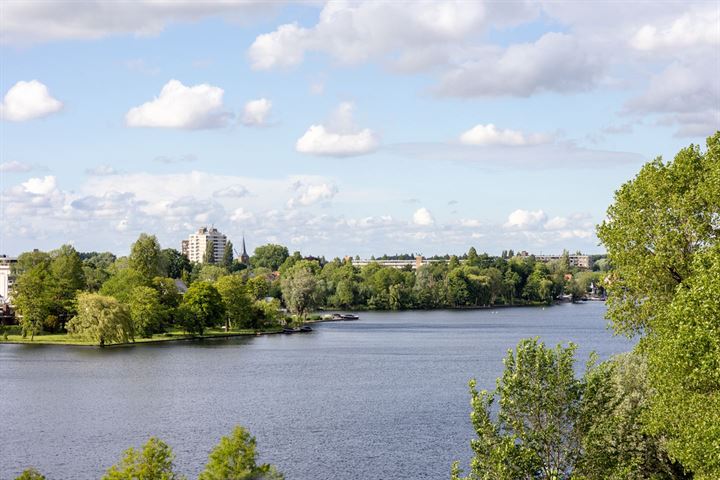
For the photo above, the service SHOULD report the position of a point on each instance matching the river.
(384, 397)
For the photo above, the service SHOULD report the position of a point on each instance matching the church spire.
(244, 257)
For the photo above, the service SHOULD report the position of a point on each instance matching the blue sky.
(343, 127)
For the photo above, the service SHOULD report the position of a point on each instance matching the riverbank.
(171, 336)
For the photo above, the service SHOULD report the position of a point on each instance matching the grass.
(12, 335)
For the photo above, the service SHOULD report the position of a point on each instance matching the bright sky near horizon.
(342, 128)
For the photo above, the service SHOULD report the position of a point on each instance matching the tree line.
(105, 299)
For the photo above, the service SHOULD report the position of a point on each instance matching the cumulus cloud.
(307, 195)
(491, 135)
(690, 30)
(256, 112)
(179, 106)
(236, 191)
(524, 219)
(14, 167)
(339, 139)
(423, 217)
(27, 101)
(557, 62)
(40, 186)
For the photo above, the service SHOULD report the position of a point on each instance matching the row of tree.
(652, 414)
(233, 458)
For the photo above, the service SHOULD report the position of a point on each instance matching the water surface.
(384, 397)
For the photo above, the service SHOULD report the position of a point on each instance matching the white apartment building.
(197, 244)
(6, 280)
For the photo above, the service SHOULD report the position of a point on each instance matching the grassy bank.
(13, 336)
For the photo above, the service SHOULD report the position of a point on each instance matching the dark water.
(384, 397)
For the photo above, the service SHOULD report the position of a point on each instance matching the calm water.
(384, 397)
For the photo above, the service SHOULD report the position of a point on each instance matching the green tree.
(32, 298)
(202, 307)
(174, 263)
(211, 273)
(227, 258)
(209, 255)
(237, 301)
(121, 284)
(234, 458)
(535, 435)
(30, 474)
(68, 277)
(147, 313)
(153, 462)
(258, 286)
(300, 290)
(145, 257)
(101, 319)
(96, 268)
(269, 256)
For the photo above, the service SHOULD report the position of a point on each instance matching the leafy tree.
(30, 474)
(121, 284)
(258, 286)
(300, 290)
(535, 435)
(96, 268)
(269, 256)
(237, 301)
(227, 258)
(202, 307)
(234, 458)
(615, 439)
(209, 255)
(147, 313)
(32, 298)
(167, 292)
(174, 263)
(101, 319)
(153, 462)
(68, 277)
(145, 257)
(211, 273)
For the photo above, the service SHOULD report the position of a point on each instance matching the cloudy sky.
(342, 128)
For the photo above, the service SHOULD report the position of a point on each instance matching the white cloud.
(525, 219)
(256, 112)
(40, 186)
(178, 106)
(241, 215)
(690, 30)
(307, 195)
(284, 47)
(15, 167)
(556, 62)
(28, 22)
(470, 222)
(556, 223)
(27, 101)
(423, 217)
(491, 135)
(341, 138)
(236, 191)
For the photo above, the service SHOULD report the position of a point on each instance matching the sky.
(342, 128)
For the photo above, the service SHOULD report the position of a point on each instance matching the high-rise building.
(197, 245)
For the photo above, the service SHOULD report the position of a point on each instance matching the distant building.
(418, 262)
(197, 245)
(576, 260)
(6, 278)
(185, 248)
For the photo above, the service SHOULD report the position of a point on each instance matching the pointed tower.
(244, 257)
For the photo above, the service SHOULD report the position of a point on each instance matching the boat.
(290, 330)
(305, 328)
(349, 316)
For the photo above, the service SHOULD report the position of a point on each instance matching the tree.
(234, 459)
(300, 290)
(209, 255)
(147, 313)
(101, 319)
(211, 273)
(174, 263)
(33, 299)
(258, 286)
(145, 257)
(96, 268)
(121, 284)
(237, 301)
(269, 256)
(202, 307)
(661, 235)
(68, 277)
(153, 462)
(227, 258)
(30, 474)
(535, 435)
